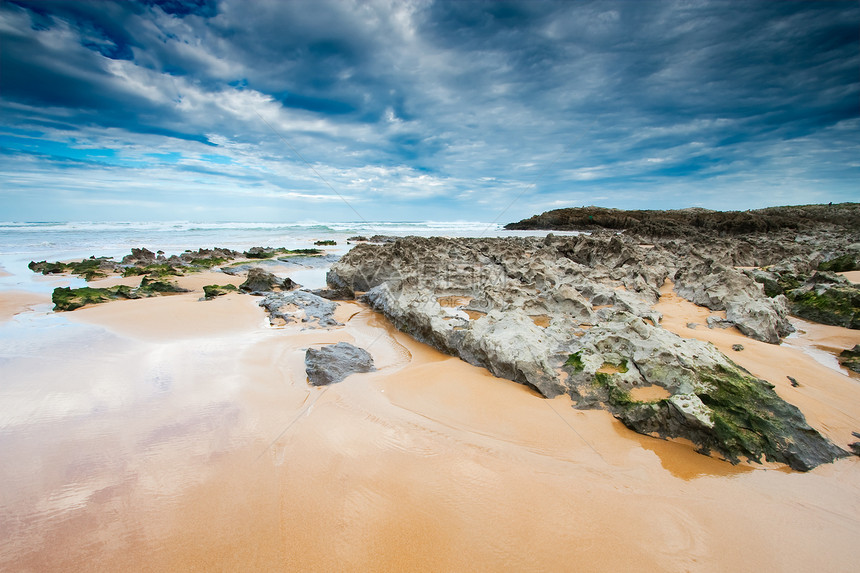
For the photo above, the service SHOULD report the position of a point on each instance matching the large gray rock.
(300, 307)
(334, 362)
(744, 300)
(559, 316)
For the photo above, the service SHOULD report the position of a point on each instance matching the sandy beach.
(14, 302)
(205, 448)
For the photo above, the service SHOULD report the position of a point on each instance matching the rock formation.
(575, 315)
(334, 362)
(300, 307)
(261, 281)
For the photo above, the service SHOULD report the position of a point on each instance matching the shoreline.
(193, 438)
(418, 456)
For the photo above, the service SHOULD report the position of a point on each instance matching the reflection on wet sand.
(161, 444)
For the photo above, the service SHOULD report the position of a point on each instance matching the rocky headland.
(574, 315)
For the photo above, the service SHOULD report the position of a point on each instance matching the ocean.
(21, 243)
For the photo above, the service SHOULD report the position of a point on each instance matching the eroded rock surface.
(261, 281)
(575, 315)
(300, 307)
(334, 362)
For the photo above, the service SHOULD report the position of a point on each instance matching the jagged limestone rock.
(574, 315)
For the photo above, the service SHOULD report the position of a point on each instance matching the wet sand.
(177, 441)
(853, 276)
(13, 302)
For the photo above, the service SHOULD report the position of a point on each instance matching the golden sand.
(14, 302)
(428, 464)
(853, 276)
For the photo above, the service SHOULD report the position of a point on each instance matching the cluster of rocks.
(575, 315)
(66, 298)
(142, 261)
(143, 257)
(374, 239)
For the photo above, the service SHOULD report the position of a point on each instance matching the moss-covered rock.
(212, 291)
(325, 243)
(150, 286)
(828, 299)
(66, 298)
(575, 361)
(731, 413)
(89, 269)
(840, 264)
(851, 358)
(155, 270)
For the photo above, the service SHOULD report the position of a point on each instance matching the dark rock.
(331, 294)
(334, 362)
(261, 281)
(213, 291)
(793, 381)
(65, 298)
(840, 264)
(737, 347)
(827, 298)
(142, 256)
(851, 359)
(688, 222)
(855, 446)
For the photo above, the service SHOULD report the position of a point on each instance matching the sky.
(340, 110)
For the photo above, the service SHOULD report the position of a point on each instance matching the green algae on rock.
(850, 358)
(67, 298)
(827, 298)
(89, 269)
(212, 291)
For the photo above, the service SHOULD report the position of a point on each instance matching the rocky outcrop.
(66, 298)
(687, 222)
(575, 315)
(334, 362)
(827, 298)
(300, 307)
(214, 291)
(850, 358)
(261, 281)
(719, 288)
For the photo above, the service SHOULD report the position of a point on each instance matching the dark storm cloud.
(466, 102)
